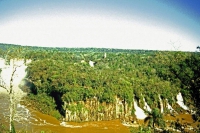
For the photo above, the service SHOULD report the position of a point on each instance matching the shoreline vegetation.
(98, 84)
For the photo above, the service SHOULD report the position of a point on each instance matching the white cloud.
(92, 31)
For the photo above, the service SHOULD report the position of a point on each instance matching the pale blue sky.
(127, 24)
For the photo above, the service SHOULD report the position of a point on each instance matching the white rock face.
(180, 101)
(146, 106)
(139, 112)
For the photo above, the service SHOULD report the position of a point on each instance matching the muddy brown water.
(36, 122)
(114, 126)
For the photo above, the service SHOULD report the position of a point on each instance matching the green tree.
(154, 118)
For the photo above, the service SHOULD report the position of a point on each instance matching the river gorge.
(27, 119)
(34, 121)
(114, 118)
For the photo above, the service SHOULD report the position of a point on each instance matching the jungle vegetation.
(64, 74)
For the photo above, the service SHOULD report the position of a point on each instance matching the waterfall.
(139, 112)
(180, 101)
(17, 77)
(23, 116)
(146, 106)
(169, 107)
(161, 104)
(22, 113)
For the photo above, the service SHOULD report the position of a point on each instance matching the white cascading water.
(161, 104)
(169, 107)
(7, 70)
(180, 101)
(23, 116)
(146, 106)
(138, 111)
(18, 75)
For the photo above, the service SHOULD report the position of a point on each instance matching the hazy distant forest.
(64, 74)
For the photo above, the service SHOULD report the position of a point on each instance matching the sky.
(123, 24)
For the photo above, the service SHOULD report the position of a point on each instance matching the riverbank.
(34, 121)
(185, 120)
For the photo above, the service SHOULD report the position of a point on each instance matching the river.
(34, 121)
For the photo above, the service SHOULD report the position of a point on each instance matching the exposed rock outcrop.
(93, 110)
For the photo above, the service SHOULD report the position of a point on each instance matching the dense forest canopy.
(64, 74)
